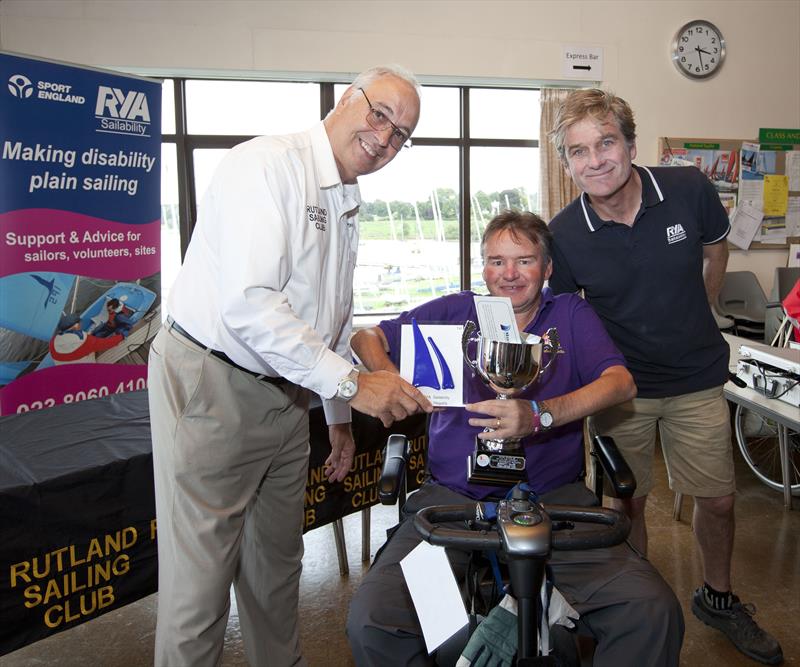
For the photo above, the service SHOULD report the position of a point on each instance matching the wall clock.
(698, 49)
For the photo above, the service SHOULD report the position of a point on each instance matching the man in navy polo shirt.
(622, 599)
(648, 248)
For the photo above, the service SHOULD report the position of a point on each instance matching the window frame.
(187, 143)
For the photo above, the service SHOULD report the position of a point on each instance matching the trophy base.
(496, 468)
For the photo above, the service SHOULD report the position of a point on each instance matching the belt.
(277, 381)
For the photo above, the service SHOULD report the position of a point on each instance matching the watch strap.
(535, 420)
(350, 379)
(538, 409)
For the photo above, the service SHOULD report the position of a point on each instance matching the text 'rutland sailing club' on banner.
(79, 232)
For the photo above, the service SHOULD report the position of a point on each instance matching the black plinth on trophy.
(496, 464)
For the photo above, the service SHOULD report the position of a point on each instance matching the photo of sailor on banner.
(49, 318)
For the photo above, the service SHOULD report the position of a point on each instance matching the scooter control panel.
(524, 528)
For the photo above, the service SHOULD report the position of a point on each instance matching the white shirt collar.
(325, 163)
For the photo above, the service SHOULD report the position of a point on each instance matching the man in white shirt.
(260, 315)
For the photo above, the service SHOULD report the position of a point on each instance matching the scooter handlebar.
(427, 522)
(612, 528)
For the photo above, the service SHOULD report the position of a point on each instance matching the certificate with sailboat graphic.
(432, 360)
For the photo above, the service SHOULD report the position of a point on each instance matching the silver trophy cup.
(509, 368)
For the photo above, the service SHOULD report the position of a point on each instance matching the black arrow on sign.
(586, 67)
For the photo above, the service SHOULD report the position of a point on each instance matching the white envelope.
(435, 593)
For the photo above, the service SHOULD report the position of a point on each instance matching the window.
(500, 178)
(409, 244)
(475, 153)
(170, 223)
(250, 107)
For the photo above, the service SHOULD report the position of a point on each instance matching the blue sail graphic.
(424, 370)
(32, 303)
(447, 376)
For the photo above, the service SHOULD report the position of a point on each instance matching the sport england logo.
(20, 86)
(675, 233)
(121, 112)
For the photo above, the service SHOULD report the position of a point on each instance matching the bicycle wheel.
(757, 436)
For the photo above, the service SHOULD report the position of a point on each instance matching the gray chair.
(725, 324)
(785, 279)
(742, 299)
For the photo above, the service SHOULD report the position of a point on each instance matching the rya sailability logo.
(675, 233)
(121, 112)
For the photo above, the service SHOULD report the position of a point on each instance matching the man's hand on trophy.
(509, 418)
(388, 397)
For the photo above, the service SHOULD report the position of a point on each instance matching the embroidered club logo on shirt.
(675, 233)
(317, 216)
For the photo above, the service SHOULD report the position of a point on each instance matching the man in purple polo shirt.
(622, 600)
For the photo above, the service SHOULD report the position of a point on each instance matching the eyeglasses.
(377, 120)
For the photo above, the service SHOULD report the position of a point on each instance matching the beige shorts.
(695, 433)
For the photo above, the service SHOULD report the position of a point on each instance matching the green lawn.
(380, 229)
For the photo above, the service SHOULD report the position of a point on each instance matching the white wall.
(758, 86)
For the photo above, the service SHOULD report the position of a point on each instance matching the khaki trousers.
(230, 456)
(695, 434)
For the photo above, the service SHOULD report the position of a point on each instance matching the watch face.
(698, 49)
(546, 419)
(347, 389)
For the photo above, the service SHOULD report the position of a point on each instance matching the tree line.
(447, 201)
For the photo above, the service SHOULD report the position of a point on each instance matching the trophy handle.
(552, 346)
(466, 338)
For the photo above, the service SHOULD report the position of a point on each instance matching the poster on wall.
(720, 166)
(80, 153)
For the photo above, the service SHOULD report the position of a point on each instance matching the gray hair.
(373, 73)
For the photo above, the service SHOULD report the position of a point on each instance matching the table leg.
(365, 530)
(677, 506)
(341, 547)
(783, 445)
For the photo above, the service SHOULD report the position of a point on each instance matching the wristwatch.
(543, 416)
(348, 386)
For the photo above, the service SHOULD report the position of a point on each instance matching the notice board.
(765, 175)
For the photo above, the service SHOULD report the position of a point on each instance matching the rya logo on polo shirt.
(318, 216)
(675, 233)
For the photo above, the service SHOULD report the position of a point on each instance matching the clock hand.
(708, 53)
(699, 53)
